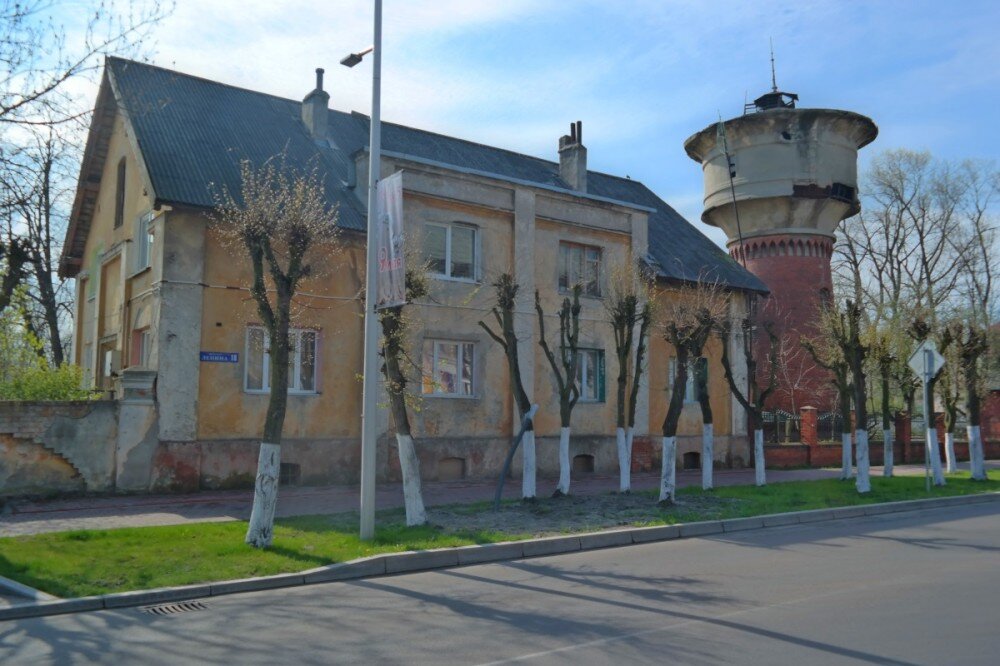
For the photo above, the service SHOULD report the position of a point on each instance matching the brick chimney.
(314, 109)
(573, 158)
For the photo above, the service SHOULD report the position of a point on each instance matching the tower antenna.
(774, 82)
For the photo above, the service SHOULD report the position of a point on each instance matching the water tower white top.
(792, 171)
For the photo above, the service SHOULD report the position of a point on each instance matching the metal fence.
(781, 427)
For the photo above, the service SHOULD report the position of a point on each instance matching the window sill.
(449, 396)
(139, 272)
(290, 393)
(583, 296)
(448, 278)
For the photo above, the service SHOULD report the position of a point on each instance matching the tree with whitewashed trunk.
(395, 326)
(629, 311)
(973, 346)
(845, 329)
(505, 288)
(855, 351)
(949, 389)
(884, 357)
(755, 396)
(564, 369)
(689, 317)
(280, 219)
(829, 355)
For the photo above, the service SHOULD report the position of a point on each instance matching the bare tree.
(630, 314)
(754, 396)
(564, 369)
(885, 359)
(856, 352)
(39, 180)
(973, 344)
(506, 288)
(395, 327)
(280, 219)
(828, 354)
(14, 258)
(690, 315)
(38, 57)
(980, 261)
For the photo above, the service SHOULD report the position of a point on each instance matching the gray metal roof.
(194, 133)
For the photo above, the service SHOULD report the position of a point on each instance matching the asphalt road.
(914, 588)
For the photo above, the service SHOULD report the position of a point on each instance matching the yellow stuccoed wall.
(109, 289)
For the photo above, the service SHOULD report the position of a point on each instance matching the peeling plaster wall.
(108, 279)
(57, 446)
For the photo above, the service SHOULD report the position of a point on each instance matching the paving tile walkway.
(22, 517)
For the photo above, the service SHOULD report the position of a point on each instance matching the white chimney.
(314, 109)
(573, 158)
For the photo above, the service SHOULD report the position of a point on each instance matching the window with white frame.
(580, 265)
(692, 387)
(451, 251)
(142, 342)
(590, 374)
(143, 240)
(301, 361)
(448, 368)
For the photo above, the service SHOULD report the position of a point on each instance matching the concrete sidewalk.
(36, 516)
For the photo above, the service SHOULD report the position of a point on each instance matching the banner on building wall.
(391, 267)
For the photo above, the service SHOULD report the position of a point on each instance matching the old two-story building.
(166, 324)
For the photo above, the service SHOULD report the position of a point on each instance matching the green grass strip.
(87, 562)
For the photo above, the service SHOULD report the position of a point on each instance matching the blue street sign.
(219, 357)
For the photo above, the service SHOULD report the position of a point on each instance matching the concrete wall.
(773, 153)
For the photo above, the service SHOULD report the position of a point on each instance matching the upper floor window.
(590, 375)
(143, 240)
(120, 195)
(450, 251)
(448, 367)
(580, 264)
(301, 361)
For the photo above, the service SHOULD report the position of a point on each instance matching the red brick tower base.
(796, 268)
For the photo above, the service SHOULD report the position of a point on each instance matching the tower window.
(842, 192)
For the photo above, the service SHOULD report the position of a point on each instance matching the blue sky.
(641, 75)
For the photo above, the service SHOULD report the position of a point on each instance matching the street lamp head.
(351, 60)
(354, 58)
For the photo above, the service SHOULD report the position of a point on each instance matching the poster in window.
(391, 290)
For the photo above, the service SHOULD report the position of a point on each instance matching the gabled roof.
(192, 135)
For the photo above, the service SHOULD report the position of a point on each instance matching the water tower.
(778, 180)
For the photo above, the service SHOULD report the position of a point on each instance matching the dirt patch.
(574, 513)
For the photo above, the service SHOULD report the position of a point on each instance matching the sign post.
(926, 362)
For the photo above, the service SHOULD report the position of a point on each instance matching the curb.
(430, 560)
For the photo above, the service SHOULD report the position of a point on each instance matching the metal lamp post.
(370, 387)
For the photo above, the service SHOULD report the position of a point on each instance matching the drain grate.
(173, 609)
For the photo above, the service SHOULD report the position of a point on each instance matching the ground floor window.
(448, 368)
(302, 361)
(590, 375)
